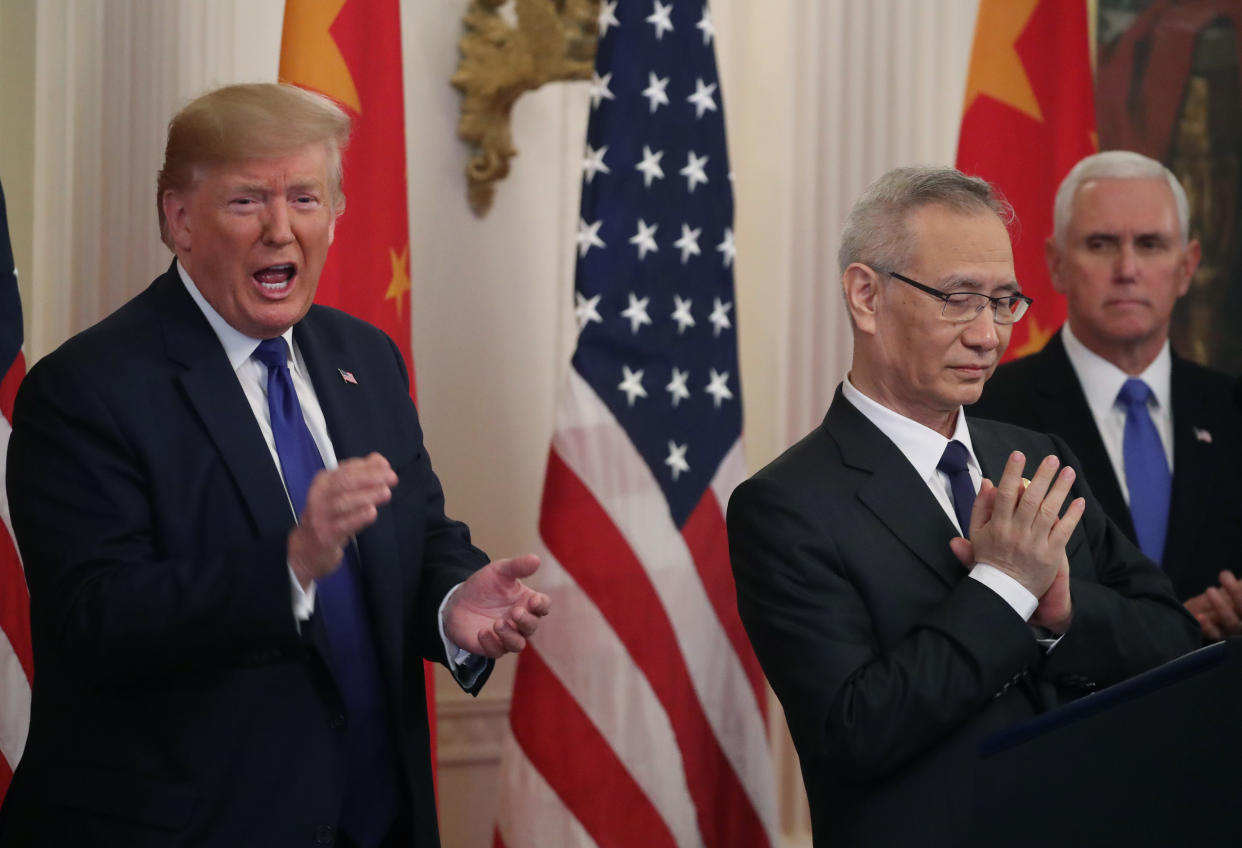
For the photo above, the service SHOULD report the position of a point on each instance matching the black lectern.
(1156, 760)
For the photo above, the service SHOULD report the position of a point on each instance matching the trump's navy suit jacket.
(176, 702)
(891, 664)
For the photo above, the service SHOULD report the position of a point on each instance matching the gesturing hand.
(340, 502)
(1019, 531)
(493, 612)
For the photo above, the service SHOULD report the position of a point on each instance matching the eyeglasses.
(960, 307)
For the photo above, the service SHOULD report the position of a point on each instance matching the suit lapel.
(348, 414)
(1064, 410)
(893, 490)
(1194, 461)
(213, 391)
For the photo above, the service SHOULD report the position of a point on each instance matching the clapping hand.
(493, 612)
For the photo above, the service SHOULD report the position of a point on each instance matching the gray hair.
(877, 231)
(1114, 165)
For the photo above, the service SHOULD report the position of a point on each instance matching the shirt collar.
(1101, 380)
(237, 345)
(921, 445)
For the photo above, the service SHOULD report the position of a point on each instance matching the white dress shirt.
(252, 375)
(924, 447)
(1101, 381)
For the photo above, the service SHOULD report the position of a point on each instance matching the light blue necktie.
(371, 778)
(1147, 470)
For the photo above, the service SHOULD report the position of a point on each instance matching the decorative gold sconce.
(552, 40)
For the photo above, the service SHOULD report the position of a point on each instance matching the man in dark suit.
(894, 643)
(235, 544)
(1122, 256)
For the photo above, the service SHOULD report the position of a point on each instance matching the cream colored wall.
(821, 97)
(17, 57)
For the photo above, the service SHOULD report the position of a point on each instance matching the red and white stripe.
(639, 710)
(16, 662)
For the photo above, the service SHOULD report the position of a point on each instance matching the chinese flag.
(350, 50)
(1029, 117)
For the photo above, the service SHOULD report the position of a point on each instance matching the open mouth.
(276, 279)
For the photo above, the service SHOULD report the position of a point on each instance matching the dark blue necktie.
(1147, 470)
(371, 782)
(953, 464)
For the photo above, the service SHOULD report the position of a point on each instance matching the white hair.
(1115, 165)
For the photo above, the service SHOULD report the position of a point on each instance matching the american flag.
(638, 713)
(16, 663)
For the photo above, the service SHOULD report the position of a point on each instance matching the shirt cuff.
(465, 666)
(1011, 591)
(303, 599)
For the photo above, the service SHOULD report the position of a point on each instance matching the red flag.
(1029, 117)
(350, 50)
(16, 661)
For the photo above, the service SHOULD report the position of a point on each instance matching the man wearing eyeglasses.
(913, 580)
(1159, 437)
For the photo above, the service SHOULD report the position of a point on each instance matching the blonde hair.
(249, 121)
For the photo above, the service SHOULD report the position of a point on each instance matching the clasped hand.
(1021, 532)
(1219, 609)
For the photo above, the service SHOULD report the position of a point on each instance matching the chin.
(969, 394)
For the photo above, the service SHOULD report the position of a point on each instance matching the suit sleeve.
(106, 593)
(869, 707)
(1126, 617)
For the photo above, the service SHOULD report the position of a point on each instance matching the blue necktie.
(953, 464)
(371, 782)
(1147, 470)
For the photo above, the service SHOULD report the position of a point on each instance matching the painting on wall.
(1169, 85)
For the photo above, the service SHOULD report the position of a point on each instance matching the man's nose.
(276, 228)
(981, 331)
(1126, 266)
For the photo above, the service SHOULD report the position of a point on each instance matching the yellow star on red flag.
(400, 282)
(1036, 338)
(996, 69)
(317, 62)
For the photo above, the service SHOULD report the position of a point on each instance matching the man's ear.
(338, 209)
(177, 218)
(861, 286)
(1052, 257)
(1190, 262)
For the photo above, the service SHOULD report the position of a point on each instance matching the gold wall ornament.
(553, 40)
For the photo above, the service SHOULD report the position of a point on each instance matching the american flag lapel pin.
(347, 376)
(1203, 435)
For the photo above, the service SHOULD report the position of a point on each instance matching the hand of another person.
(340, 502)
(1020, 531)
(1219, 609)
(493, 612)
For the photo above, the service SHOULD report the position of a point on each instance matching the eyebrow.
(1107, 235)
(262, 188)
(957, 283)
